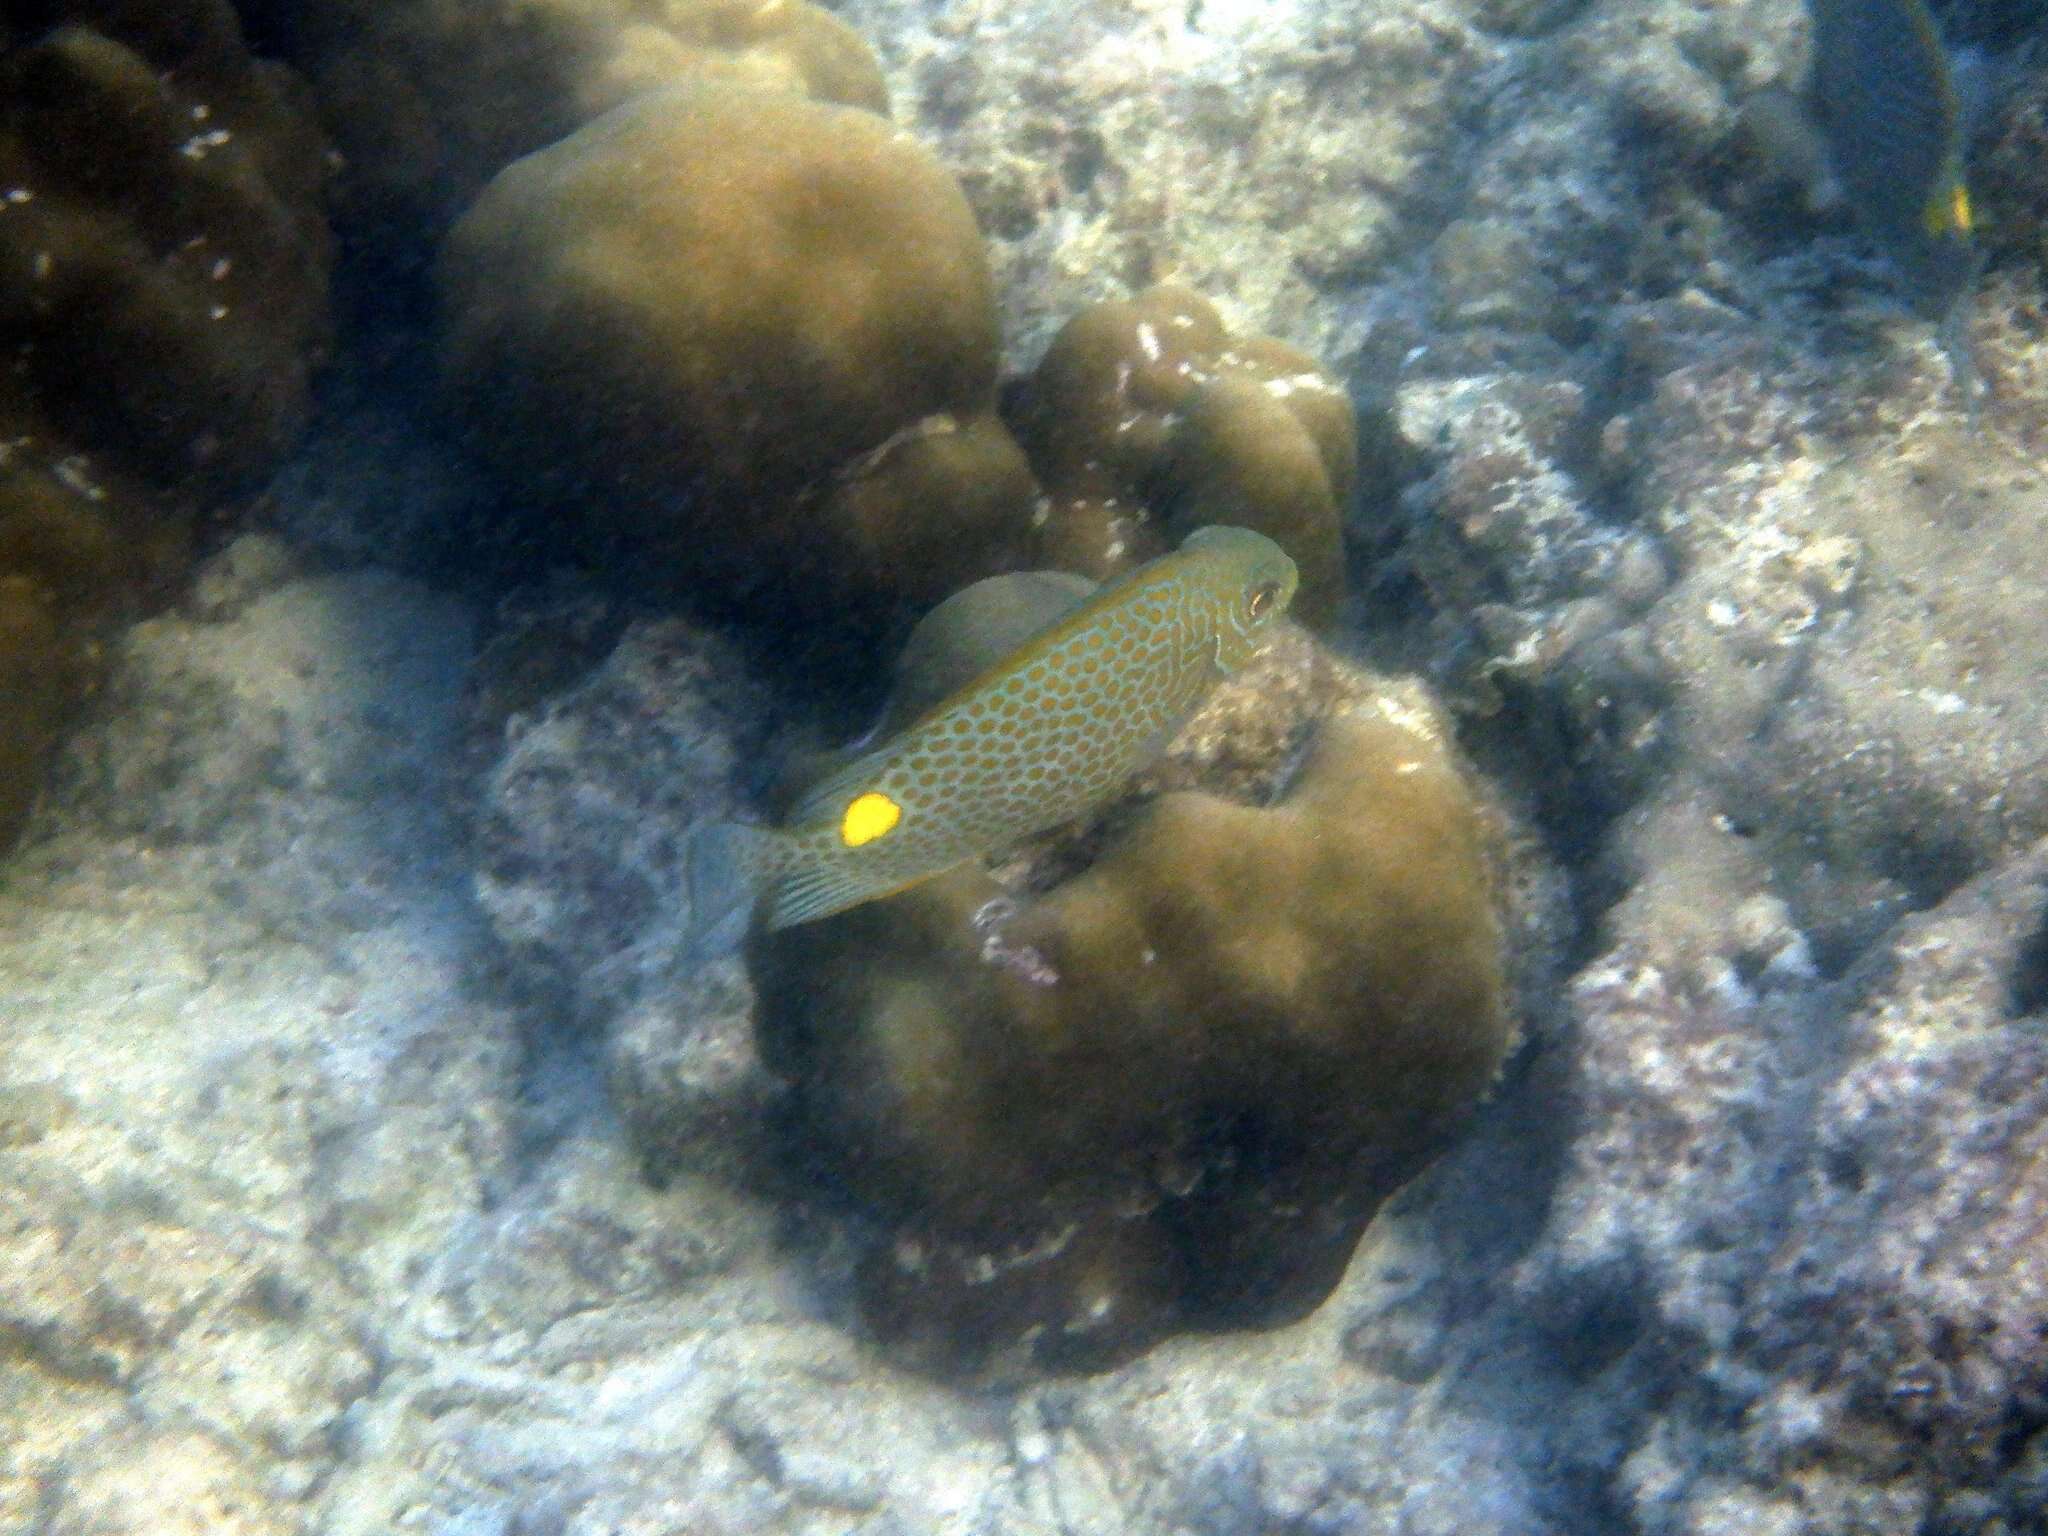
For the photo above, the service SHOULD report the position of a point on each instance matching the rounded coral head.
(1253, 580)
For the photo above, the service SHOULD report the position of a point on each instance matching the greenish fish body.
(1049, 732)
(1887, 101)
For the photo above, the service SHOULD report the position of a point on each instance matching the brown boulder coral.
(163, 301)
(1147, 418)
(429, 99)
(1160, 1074)
(751, 337)
(163, 256)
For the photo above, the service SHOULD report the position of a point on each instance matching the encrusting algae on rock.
(1044, 735)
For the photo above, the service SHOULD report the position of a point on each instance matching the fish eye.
(1259, 601)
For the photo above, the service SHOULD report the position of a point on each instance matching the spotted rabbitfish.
(1047, 733)
(1886, 98)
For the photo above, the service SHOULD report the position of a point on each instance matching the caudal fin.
(735, 869)
(727, 864)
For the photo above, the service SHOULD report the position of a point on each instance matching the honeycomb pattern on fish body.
(1040, 739)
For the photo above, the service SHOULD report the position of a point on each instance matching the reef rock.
(241, 874)
(595, 768)
(1809, 1217)
(1272, 157)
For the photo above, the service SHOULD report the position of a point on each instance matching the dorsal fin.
(972, 631)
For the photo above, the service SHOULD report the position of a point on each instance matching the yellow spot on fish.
(870, 816)
(1948, 211)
